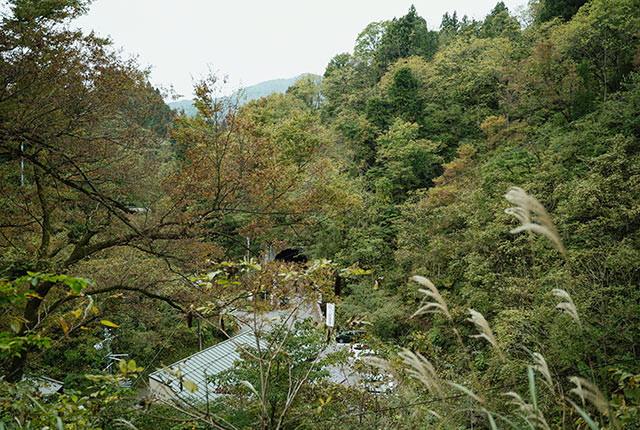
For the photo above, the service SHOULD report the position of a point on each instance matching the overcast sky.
(251, 41)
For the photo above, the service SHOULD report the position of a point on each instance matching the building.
(165, 383)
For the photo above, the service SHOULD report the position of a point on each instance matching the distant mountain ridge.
(246, 94)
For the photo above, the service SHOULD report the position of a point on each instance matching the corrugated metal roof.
(199, 366)
(45, 385)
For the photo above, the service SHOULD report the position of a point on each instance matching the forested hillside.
(467, 197)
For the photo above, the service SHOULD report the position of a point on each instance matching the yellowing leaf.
(77, 313)
(95, 310)
(109, 324)
(65, 327)
(132, 366)
(190, 385)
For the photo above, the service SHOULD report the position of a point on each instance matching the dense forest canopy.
(388, 174)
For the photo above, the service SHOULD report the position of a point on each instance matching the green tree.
(602, 39)
(338, 62)
(81, 173)
(563, 9)
(449, 27)
(369, 40)
(404, 37)
(273, 382)
(404, 98)
(499, 23)
(307, 89)
(406, 162)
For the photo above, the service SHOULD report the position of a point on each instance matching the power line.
(435, 399)
(402, 407)
(162, 346)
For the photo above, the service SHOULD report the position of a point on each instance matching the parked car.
(349, 336)
(378, 382)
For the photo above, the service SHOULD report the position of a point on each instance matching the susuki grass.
(484, 330)
(422, 369)
(438, 305)
(534, 219)
(527, 210)
(566, 305)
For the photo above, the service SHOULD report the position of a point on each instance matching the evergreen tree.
(403, 96)
(563, 9)
(405, 37)
(499, 23)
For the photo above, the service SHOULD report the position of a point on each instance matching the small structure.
(165, 384)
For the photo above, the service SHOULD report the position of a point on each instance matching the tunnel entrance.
(291, 255)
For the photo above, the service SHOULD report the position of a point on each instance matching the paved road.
(298, 309)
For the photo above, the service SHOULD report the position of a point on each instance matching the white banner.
(331, 310)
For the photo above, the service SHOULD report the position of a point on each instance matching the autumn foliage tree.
(258, 170)
(82, 170)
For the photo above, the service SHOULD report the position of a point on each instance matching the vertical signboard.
(331, 310)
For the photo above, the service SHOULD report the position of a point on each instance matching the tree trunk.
(16, 368)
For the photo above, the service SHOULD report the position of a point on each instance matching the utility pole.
(110, 357)
(22, 165)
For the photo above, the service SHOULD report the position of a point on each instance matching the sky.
(250, 41)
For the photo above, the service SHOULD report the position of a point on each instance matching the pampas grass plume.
(436, 306)
(484, 330)
(566, 305)
(525, 207)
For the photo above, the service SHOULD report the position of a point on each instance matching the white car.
(378, 383)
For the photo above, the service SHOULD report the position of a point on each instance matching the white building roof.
(199, 366)
(45, 385)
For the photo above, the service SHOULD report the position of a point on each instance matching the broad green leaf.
(132, 366)
(75, 284)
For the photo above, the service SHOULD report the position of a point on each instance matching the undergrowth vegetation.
(384, 180)
(552, 398)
